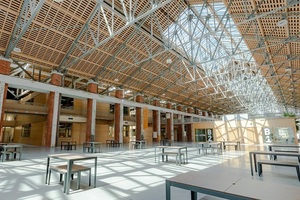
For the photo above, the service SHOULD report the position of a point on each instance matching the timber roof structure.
(225, 57)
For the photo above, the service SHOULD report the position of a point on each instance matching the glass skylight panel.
(208, 37)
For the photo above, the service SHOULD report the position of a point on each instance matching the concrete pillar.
(92, 87)
(180, 127)
(5, 70)
(118, 122)
(139, 118)
(156, 121)
(169, 128)
(53, 111)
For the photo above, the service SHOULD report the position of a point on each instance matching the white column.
(93, 125)
(55, 118)
(2, 90)
(121, 123)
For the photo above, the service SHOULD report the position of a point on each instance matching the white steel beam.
(46, 88)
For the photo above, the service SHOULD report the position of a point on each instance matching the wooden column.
(139, 119)
(53, 111)
(5, 70)
(156, 120)
(118, 122)
(169, 127)
(92, 87)
(180, 127)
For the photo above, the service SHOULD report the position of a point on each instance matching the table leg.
(68, 179)
(95, 171)
(168, 190)
(47, 170)
(179, 154)
(193, 195)
(251, 167)
(155, 154)
(255, 163)
(186, 156)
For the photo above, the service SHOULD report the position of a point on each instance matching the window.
(125, 131)
(111, 108)
(26, 130)
(65, 130)
(126, 111)
(67, 102)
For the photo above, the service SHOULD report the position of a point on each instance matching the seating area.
(149, 99)
(134, 174)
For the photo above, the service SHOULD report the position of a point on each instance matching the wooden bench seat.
(277, 163)
(172, 154)
(62, 169)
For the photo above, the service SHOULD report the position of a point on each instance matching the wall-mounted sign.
(267, 135)
(210, 136)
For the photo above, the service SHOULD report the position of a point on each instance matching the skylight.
(208, 37)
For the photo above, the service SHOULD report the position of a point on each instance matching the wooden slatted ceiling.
(56, 26)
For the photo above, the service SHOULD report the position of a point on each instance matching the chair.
(62, 169)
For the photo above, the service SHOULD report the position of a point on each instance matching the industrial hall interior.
(149, 99)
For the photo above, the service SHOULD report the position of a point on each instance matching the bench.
(172, 154)
(235, 144)
(68, 145)
(277, 163)
(112, 143)
(92, 147)
(285, 151)
(62, 169)
(204, 149)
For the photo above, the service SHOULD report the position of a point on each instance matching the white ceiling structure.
(225, 56)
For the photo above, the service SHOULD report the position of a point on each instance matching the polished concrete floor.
(125, 173)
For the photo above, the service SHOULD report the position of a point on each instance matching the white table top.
(237, 185)
(12, 146)
(171, 147)
(70, 156)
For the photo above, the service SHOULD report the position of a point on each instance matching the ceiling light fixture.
(59, 1)
(17, 50)
(282, 22)
(169, 60)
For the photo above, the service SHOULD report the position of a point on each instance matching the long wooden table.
(229, 186)
(252, 156)
(71, 158)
